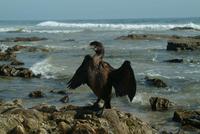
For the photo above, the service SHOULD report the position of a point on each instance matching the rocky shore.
(174, 42)
(44, 119)
(23, 39)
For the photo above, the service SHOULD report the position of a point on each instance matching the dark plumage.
(100, 76)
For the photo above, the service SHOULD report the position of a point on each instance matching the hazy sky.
(96, 9)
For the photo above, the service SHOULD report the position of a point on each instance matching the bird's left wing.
(81, 75)
(123, 80)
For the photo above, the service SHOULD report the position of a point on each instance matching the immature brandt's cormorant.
(100, 76)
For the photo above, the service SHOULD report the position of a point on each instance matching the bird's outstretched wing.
(123, 80)
(81, 75)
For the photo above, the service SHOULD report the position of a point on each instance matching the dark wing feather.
(123, 80)
(80, 77)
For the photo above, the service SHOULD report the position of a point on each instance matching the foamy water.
(118, 26)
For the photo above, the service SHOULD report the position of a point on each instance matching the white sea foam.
(154, 74)
(117, 26)
(141, 98)
(32, 30)
(8, 29)
(3, 47)
(44, 68)
(52, 31)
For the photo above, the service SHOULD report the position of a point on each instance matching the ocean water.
(68, 44)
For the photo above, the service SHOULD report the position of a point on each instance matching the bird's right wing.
(81, 75)
(123, 80)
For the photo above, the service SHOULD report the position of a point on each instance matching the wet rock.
(174, 61)
(65, 99)
(16, 63)
(61, 92)
(184, 29)
(183, 44)
(5, 56)
(45, 108)
(23, 39)
(175, 43)
(159, 104)
(155, 82)
(18, 130)
(187, 118)
(36, 94)
(8, 70)
(15, 48)
(147, 37)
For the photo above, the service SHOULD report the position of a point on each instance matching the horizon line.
(93, 19)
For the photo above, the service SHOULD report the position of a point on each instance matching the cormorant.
(100, 76)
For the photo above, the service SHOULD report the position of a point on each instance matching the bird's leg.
(107, 104)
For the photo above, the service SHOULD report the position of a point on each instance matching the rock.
(174, 61)
(184, 28)
(23, 39)
(83, 128)
(18, 130)
(148, 37)
(4, 56)
(65, 99)
(64, 128)
(183, 44)
(16, 63)
(175, 43)
(8, 70)
(15, 48)
(159, 104)
(155, 82)
(61, 92)
(36, 94)
(38, 120)
(187, 118)
(18, 102)
(42, 131)
(45, 108)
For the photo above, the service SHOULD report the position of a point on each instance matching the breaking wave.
(44, 68)
(117, 26)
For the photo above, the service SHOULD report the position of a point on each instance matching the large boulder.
(17, 119)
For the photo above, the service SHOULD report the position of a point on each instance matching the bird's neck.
(97, 58)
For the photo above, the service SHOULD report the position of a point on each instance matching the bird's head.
(97, 47)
